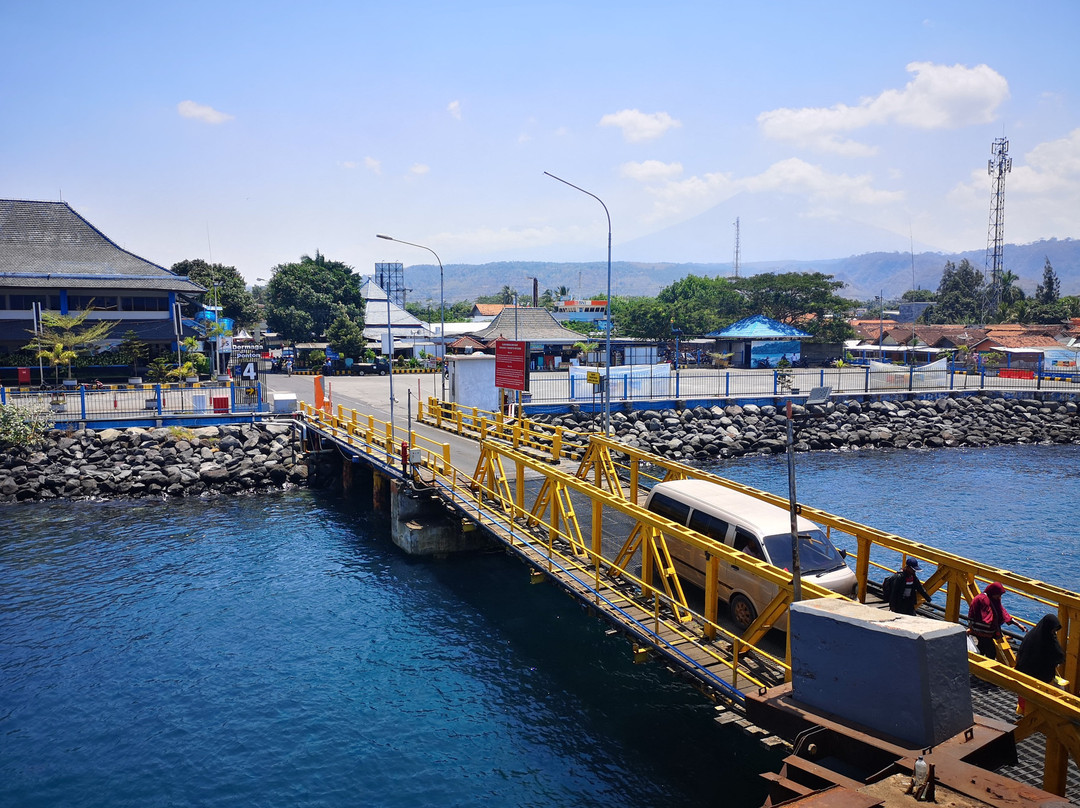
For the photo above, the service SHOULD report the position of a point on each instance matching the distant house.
(53, 257)
(409, 333)
(548, 339)
(485, 312)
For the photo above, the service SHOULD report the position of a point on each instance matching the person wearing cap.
(907, 586)
(986, 616)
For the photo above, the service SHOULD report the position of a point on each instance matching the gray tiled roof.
(49, 245)
(533, 325)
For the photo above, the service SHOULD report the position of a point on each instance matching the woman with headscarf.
(986, 617)
(1040, 653)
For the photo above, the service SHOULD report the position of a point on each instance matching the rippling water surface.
(280, 651)
(1012, 507)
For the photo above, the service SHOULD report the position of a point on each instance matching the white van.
(751, 526)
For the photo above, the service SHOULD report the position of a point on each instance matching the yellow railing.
(546, 528)
(541, 440)
(1052, 711)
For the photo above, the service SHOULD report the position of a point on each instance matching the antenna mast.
(738, 253)
(998, 167)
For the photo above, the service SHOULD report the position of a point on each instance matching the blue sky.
(251, 133)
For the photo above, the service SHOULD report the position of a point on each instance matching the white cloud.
(1043, 188)
(201, 112)
(373, 165)
(350, 164)
(673, 199)
(939, 97)
(419, 169)
(637, 125)
(454, 108)
(487, 240)
(651, 170)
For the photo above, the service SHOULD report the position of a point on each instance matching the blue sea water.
(279, 650)
(1017, 507)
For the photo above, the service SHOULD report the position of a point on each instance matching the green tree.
(64, 337)
(236, 302)
(698, 305)
(346, 336)
(787, 297)
(641, 317)
(300, 297)
(132, 350)
(918, 296)
(1049, 290)
(959, 296)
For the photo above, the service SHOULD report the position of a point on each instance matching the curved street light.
(607, 360)
(442, 307)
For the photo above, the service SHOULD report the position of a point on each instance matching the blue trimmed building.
(759, 341)
(53, 257)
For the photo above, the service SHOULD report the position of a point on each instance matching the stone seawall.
(167, 461)
(704, 434)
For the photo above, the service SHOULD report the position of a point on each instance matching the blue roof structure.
(760, 327)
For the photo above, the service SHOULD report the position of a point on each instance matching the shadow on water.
(635, 726)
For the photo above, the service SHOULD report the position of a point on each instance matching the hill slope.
(865, 275)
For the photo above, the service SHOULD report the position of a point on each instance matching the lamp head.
(380, 235)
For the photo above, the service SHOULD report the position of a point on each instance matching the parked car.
(380, 366)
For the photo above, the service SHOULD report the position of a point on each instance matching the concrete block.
(283, 402)
(905, 677)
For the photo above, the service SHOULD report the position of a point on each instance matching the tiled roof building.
(52, 256)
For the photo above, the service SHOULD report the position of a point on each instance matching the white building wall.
(472, 381)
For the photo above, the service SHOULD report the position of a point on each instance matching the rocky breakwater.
(168, 461)
(703, 434)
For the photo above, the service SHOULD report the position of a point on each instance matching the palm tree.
(56, 356)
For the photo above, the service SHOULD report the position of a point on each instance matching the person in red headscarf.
(986, 616)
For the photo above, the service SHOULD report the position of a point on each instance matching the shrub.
(23, 426)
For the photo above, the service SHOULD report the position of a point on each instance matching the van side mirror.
(843, 554)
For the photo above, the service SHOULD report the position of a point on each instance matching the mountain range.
(865, 275)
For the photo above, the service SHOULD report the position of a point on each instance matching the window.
(708, 525)
(94, 303)
(663, 505)
(146, 303)
(746, 542)
(816, 552)
(26, 302)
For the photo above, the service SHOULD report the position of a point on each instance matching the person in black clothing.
(1040, 653)
(905, 587)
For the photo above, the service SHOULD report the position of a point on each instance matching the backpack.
(887, 587)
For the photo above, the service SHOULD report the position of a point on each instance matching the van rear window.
(663, 505)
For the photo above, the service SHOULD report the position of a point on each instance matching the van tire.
(742, 611)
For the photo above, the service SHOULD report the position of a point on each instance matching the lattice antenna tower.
(738, 252)
(391, 278)
(997, 167)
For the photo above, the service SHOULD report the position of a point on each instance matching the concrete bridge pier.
(420, 524)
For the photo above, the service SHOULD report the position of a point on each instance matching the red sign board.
(511, 363)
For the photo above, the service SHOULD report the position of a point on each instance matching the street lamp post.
(607, 359)
(442, 304)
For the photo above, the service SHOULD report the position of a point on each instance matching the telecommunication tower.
(737, 251)
(997, 167)
(391, 279)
